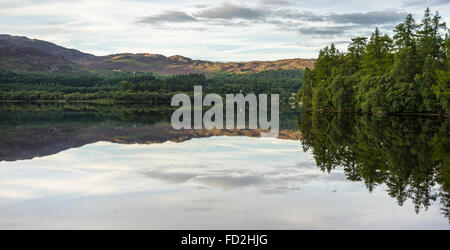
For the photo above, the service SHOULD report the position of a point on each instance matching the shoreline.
(382, 113)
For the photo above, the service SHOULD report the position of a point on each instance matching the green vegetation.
(140, 87)
(405, 155)
(408, 73)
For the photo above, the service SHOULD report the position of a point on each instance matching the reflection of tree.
(441, 146)
(117, 114)
(407, 154)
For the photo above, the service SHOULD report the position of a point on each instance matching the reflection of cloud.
(170, 177)
(231, 182)
(208, 183)
(223, 163)
(279, 190)
(276, 179)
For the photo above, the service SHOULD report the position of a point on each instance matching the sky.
(207, 29)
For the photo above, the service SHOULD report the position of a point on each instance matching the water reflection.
(216, 183)
(40, 129)
(409, 155)
(122, 166)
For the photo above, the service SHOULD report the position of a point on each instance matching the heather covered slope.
(17, 56)
(179, 64)
(24, 54)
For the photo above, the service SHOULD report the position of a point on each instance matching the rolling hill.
(24, 54)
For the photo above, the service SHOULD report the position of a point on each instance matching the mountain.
(179, 64)
(53, 49)
(24, 54)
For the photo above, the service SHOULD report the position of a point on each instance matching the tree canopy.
(405, 73)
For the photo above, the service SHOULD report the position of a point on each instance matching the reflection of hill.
(27, 143)
(40, 129)
(409, 155)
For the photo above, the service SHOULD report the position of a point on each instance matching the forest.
(405, 73)
(140, 87)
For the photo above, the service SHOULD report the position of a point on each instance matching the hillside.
(179, 64)
(24, 54)
(17, 56)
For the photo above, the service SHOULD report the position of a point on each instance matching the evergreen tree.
(378, 57)
(405, 33)
(305, 94)
(430, 40)
(407, 74)
(355, 51)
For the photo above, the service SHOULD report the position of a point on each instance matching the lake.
(122, 166)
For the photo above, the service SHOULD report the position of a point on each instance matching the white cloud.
(201, 29)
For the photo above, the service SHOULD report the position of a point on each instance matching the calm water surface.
(65, 167)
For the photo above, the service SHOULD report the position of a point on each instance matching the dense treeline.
(43, 80)
(405, 155)
(29, 86)
(140, 86)
(408, 72)
(184, 83)
(262, 82)
(283, 82)
(141, 96)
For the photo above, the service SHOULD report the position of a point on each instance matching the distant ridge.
(18, 53)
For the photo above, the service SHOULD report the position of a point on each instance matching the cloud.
(362, 19)
(230, 11)
(198, 29)
(300, 15)
(168, 17)
(285, 18)
(324, 31)
(200, 6)
(425, 3)
(368, 18)
(275, 2)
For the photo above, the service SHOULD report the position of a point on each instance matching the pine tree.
(305, 94)
(406, 33)
(378, 57)
(430, 39)
(374, 77)
(355, 51)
